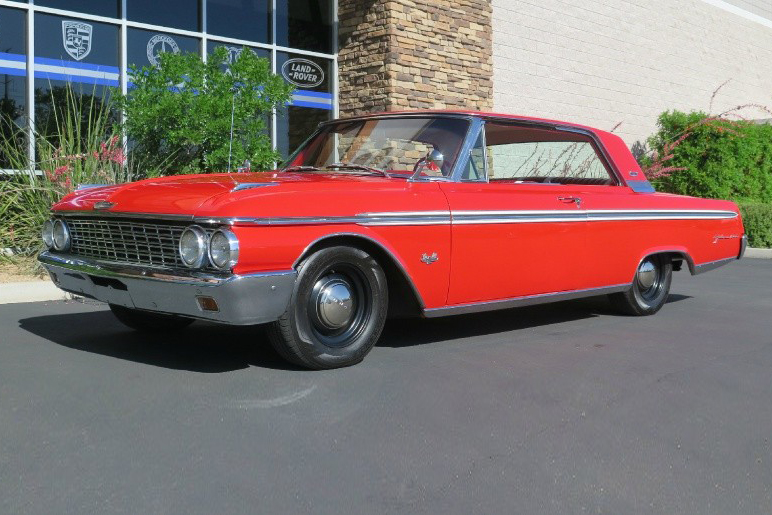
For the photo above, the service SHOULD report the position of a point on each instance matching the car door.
(515, 231)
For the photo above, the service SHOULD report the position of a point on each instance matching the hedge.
(717, 158)
(758, 224)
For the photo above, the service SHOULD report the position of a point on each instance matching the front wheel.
(649, 290)
(337, 310)
(147, 321)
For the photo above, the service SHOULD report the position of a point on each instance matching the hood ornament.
(101, 206)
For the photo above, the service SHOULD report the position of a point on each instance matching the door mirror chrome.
(433, 157)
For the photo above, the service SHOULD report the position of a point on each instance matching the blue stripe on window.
(77, 65)
(75, 78)
(13, 71)
(301, 103)
(13, 57)
(317, 94)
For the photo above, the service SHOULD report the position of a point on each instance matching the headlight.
(48, 233)
(193, 246)
(223, 249)
(61, 236)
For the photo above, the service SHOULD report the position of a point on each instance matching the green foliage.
(178, 115)
(757, 219)
(711, 157)
(82, 146)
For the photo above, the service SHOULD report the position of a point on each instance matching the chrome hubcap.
(335, 303)
(647, 275)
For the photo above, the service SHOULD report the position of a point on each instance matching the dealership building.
(605, 63)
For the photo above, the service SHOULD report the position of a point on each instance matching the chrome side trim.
(528, 300)
(437, 217)
(712, 265)
(659, 214)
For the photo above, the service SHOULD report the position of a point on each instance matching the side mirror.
(433, 157)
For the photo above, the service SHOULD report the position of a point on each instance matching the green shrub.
(757, 219)
(711, 157)
(178, 115)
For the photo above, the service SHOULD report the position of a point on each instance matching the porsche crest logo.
(76, 37)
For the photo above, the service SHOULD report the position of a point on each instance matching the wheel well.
(404, 300)
(677, 257)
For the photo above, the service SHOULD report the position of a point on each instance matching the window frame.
(596, 145)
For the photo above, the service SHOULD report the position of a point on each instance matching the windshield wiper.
(353, 166)
(301, 168)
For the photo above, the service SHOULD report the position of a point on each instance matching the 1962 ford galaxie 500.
(430, 213)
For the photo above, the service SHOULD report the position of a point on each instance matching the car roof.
(482, 114)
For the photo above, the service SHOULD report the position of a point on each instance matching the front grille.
(127, 241)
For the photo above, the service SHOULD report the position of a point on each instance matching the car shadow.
(202, 347)
(416, 331)
(211, 348)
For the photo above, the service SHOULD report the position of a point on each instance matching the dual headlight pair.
(56, 235)
(221, 248)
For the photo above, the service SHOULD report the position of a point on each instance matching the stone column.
(401, 54)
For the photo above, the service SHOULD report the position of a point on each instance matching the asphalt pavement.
(563, 408)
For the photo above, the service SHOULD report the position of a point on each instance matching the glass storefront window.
(144, 46)
(235, 50)
(13, 72)
(79, 53)
(179, 14)
(305, 24)
(241, 19)
(312, 101)
(109, 8)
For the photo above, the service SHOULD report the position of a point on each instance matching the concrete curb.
(750, 252)
(30, 291)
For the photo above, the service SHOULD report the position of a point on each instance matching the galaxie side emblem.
(77, 38)
(100, 206)
(426, 258)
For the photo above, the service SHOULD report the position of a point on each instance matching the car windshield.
(383, 146)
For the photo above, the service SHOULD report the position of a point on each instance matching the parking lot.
(563, 408)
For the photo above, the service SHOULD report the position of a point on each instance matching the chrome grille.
(127, 241)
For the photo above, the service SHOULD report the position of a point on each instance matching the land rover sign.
(302, 73)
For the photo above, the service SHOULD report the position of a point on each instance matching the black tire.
(148, 322)
(320, 335)
(643, 299)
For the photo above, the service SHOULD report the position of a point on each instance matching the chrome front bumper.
(240, 299)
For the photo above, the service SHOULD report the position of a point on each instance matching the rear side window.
(522, 154)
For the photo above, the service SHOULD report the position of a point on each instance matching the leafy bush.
(178, 115)
(757, 219)
(711, 156)
(81, 146)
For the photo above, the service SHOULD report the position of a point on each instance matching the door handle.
(575, 200)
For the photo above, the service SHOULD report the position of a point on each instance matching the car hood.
(211, 194)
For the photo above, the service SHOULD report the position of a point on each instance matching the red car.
(426, 213)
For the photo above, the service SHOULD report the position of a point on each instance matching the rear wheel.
(337, 310)
(148, 322)
(649, 290)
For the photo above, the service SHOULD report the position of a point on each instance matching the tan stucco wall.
(601, 62)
